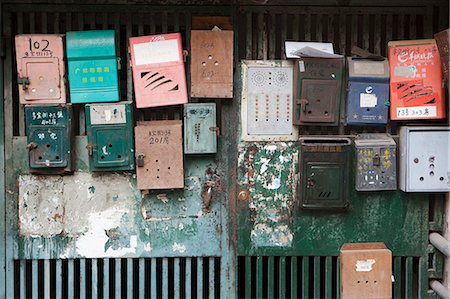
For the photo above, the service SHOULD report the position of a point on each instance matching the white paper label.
(405, 71)
(364, 266)
(108, 114)
(301, 66)
(417, 112)
(156, 52)
(368, 68)
(367, 100)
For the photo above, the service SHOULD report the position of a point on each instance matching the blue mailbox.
(92, 62)
(368, 92)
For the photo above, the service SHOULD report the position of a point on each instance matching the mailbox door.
(211, 64)
(367, 103)
(111, 148)
(200, 135)
(44, 75)
(159, 155)
(320, 104)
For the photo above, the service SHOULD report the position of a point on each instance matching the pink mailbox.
(40, 68)
(158, 70)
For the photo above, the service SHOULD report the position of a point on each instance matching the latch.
(376, 160)
(140, 160)
(90, 149)
(215, 129)
(119, 64)
(207, 195)
(302, 103)
(185, 55)
(31, 146)
(24, 81)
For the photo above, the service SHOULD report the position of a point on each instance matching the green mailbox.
(92, 61)
(110, 136)
(49, 138)
(324, 177)
(200, 131)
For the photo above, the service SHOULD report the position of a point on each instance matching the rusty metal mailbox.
(318, 84)
(212, 64)
(200, 131)
(49, 136)
(40, 68)
(110, 136)
(158, 70)
(376, 161)
(159, 154)
(324, 172)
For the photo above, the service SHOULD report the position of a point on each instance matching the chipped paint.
(178, 247)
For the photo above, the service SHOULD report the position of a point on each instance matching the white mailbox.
(424, 159)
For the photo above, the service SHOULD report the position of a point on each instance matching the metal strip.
(58, 279)
(259, 277)
(200, 277)
(70, 280)
(294, 275)
(409, 278)
(165, 278)
(211, 278)
(83, 278)
(188, 283)
(270, 277)
(397, 277)
(317, 282)
(282, 277)
(46, 279)
(118, 278)
(129, 278)
(248, 276)
(94, 278)
(176, 278)
(22, 271)
(105, 278)
(141, 278)
(328, 279)
(153, 290)
(34, 279)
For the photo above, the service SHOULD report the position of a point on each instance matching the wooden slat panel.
(211, 277)
(283, 34)
(377, 35)
(129, 278)
(106, 278)
(59, 280)
(34, 279)
(165, 280)
(153, 283)
(176, 278)
(262, 43)
(118, 278)
(94, 278)
(82, 278)
(46, 279)
(142, 280)
(22, 278)
(70, 279)
(199, 277)
(188, 277)
(248, 32)
(272, 36)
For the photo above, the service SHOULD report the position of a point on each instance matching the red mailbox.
(40, 68)
(158, 70)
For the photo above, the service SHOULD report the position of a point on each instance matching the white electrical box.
(266, 102)
(424, 159)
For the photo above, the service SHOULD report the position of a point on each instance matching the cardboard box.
(366, 271)
(416, 80)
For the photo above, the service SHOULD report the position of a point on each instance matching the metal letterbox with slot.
(324, 172)
(159, 154)
(200, 131)
(318, 89)
(110, 136)
(266, 111)
(212, 64)
(375, 162)
(49, 137)
(158, 70)
(366, 271)
(40, 68)
(368, 92)
(92, 62)
(424, 159)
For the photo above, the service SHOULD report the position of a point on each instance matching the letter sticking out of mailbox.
(368, 92)
(92, 62)
(110, 136)
(40, 67)
(212, 64)
(158, 70)
(49, 136)
(159, 154)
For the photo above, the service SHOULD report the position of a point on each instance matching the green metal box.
(324, 176)
(49, 138)
(200, 131)
(92, 61)
(110, 136)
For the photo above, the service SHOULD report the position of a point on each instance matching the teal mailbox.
(110, 136)
(200, 131)
(92, 61)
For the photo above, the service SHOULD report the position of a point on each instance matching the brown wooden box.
(366, 271)
(161, 144)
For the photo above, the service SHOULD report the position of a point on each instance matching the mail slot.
(318, 84)
(92, 62)
(368, 92)
(159, 154)
(40, 68)
(324, 172)
(110, 136)
(212, 64)
(49, 136)
(158, 70)
(376, 159)
(200, 131)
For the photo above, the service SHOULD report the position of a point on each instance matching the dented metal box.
(318, 90)
(200, 130)
(40, 68)
(367, 92)
(424, 159)
(376, 162)
(110, 136)
(158, 70)
(266, 101)
(212, 64)
(159, 154)
(92, 63)
(365, 271)
(49, 138)
(324, 172)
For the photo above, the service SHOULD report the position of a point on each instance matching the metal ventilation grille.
(118, 278)
(314, 277)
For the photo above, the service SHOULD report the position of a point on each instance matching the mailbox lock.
(140, 160)
(24, 81)
(31, 146)
(243, 195)
(90, 149)
(376, 160)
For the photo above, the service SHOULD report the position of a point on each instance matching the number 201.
(36, 45)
